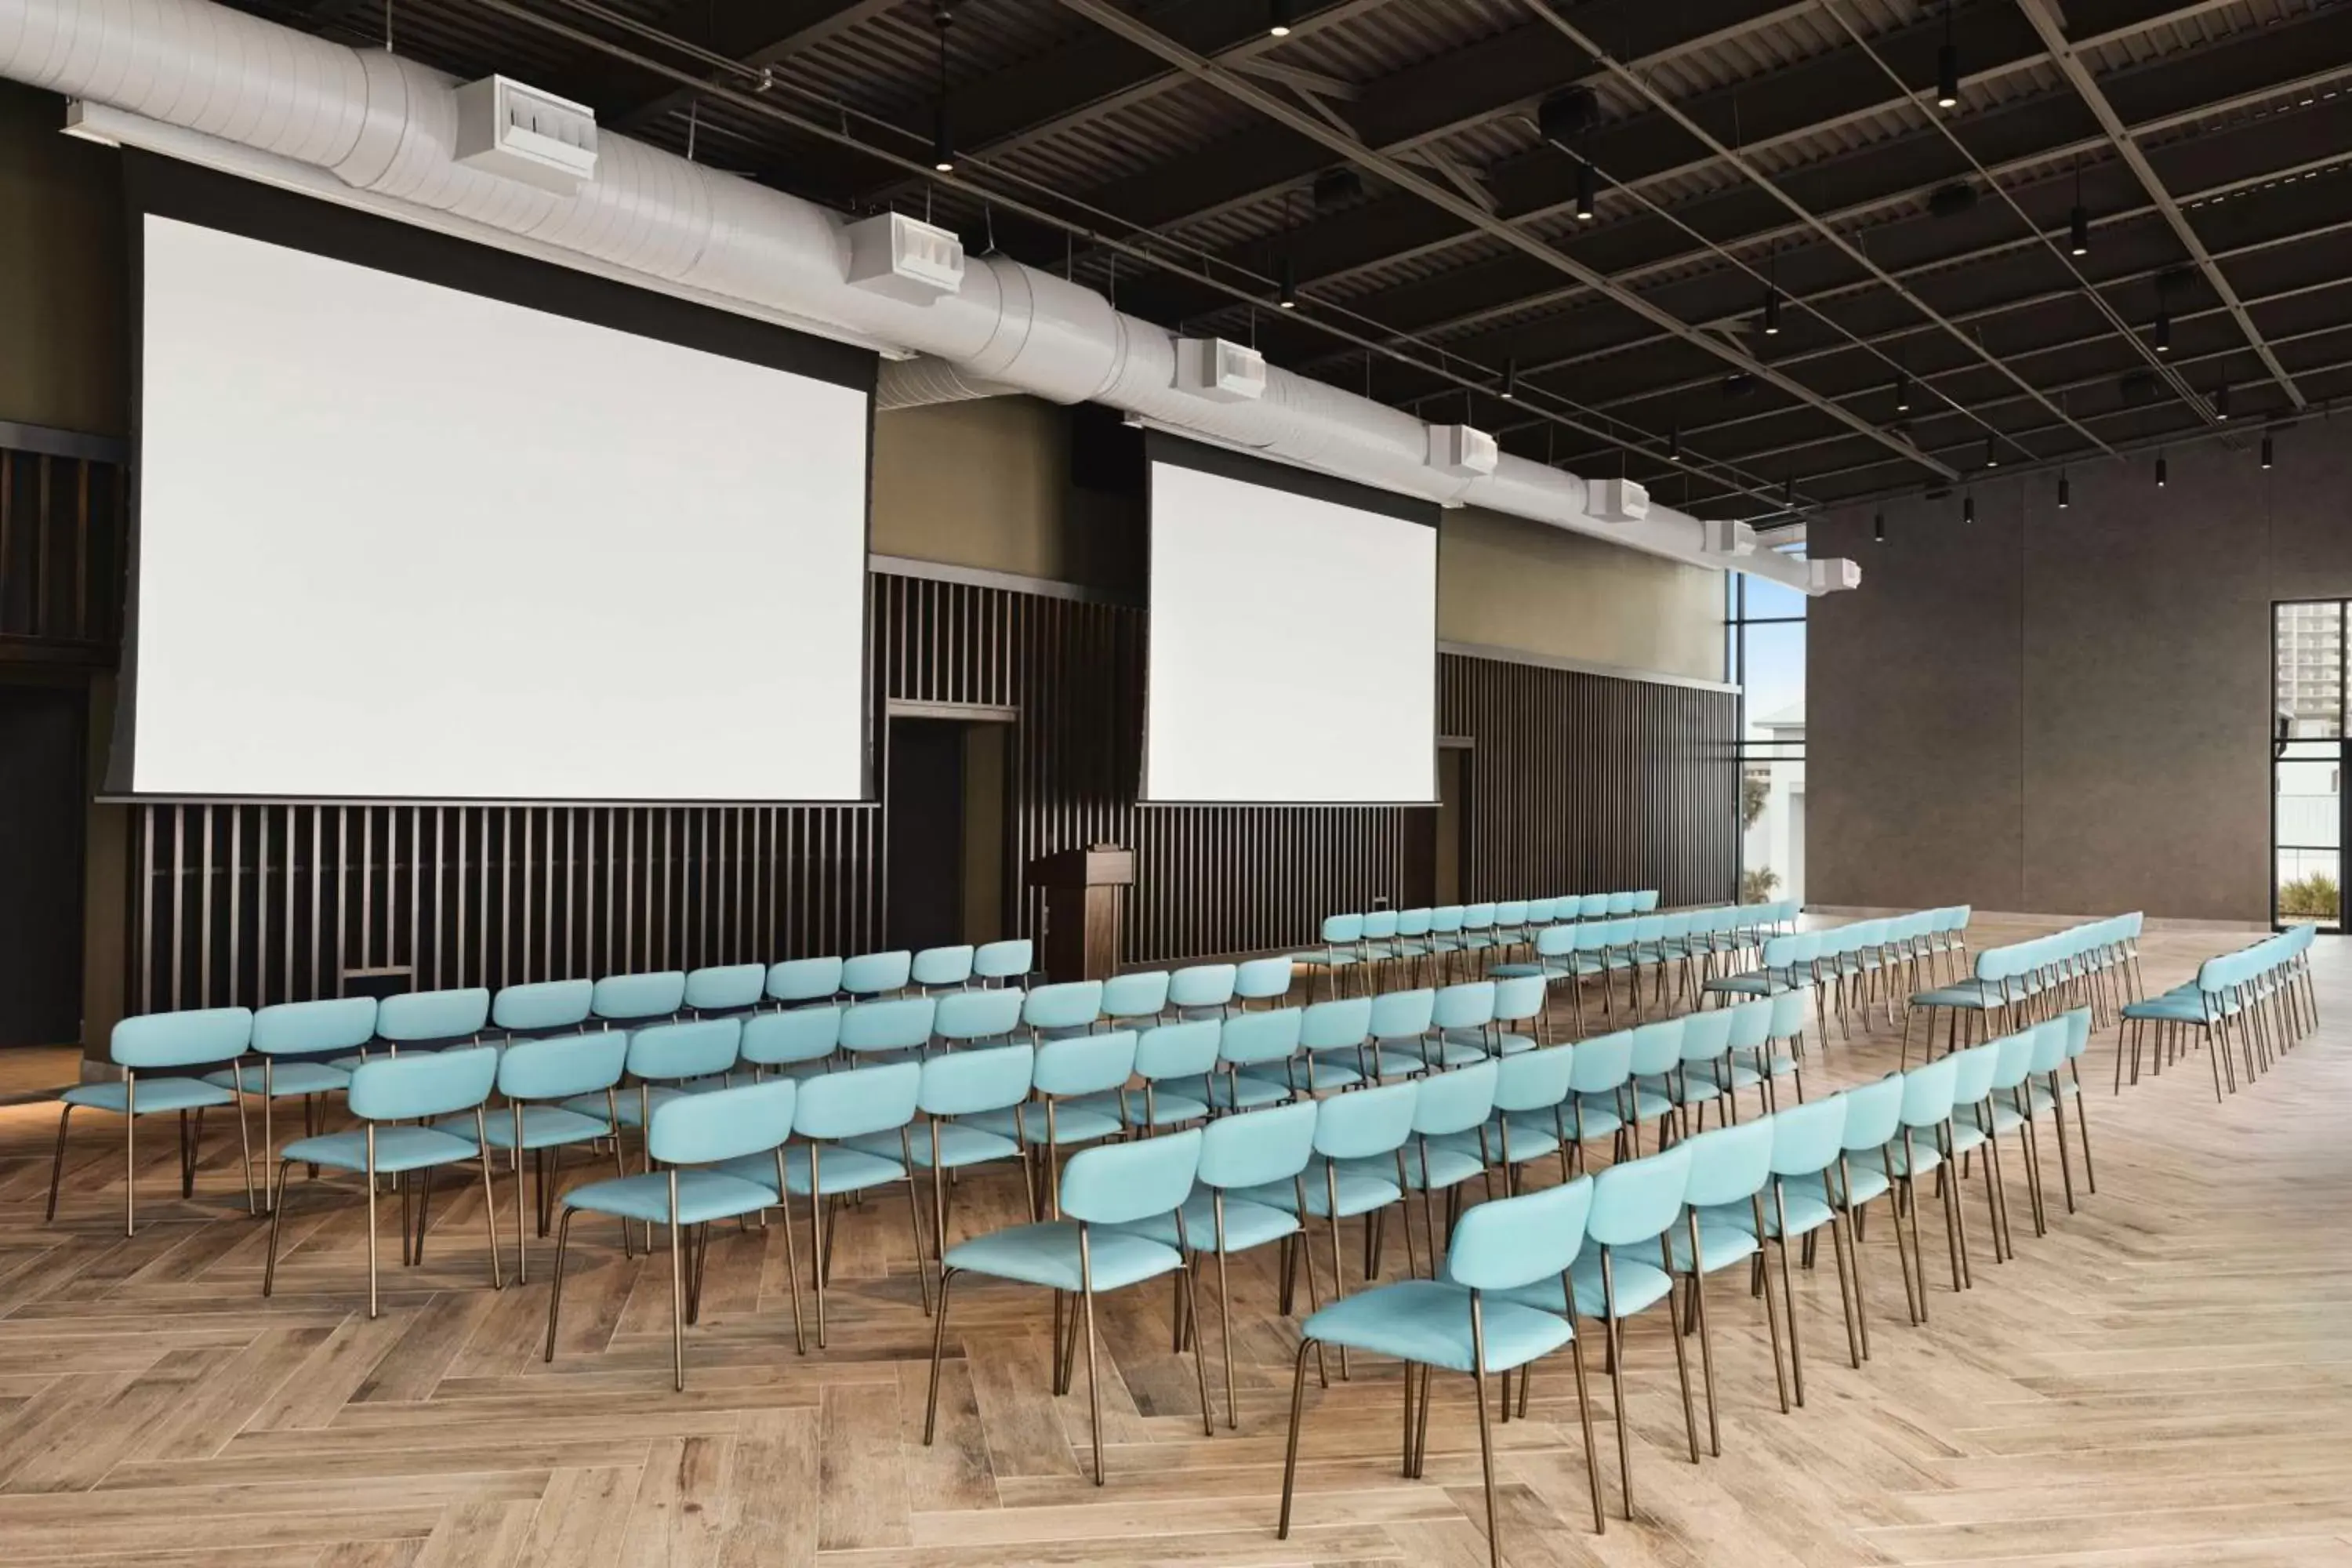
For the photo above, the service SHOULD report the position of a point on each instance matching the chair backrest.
(668, 1053)
(900, 1024)
(942, 966)
(1142, 995)
(1634, 1201)
(1807, 1137)
(805, 980)
(1928, 1092)
(1729, 1163)
(1335, 1025)
(1118, 1184)
(1085, 1064)
(1468, 1005)
(1007, 960)
(1518, 998)
(563, 1065)
(724, 1124)
(1401, 1015)
(1534, 1080)
(423, 1083)
(871, 973)
(1511, 1242)
(625, 998)
(1262, 978)
(1268, 1037)
(1367, 1121)
(795, 1034)
(414, 1015)
(857, 1101)
(1455, 1101)
(1602, 1063)
(1188, 1049)
(1874, 1114)
(726, 986)
(198, 1036)
(1657, 1047)
(958, 1083)
(543, 1005)
(974, 1015)
(1071, 1005)
(1258, 1146)
(333, 1024)
(1201, 985)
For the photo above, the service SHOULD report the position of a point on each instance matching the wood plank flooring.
(2166, 1378)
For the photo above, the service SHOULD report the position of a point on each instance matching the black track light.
(1968, 507)
(2164, 331)
(1588, 182)
(2078, 225)
(1992, 454)
(2161, 475)
(2065, 492)
(2266, 449)
(1277, 18)
(1947, 65)
(1287, 295)
(1878, 529)
(1901, 394)
(1510, 379)
(2222, 400)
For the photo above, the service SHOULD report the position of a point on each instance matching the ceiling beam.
(2053, 31)
(1444, 197)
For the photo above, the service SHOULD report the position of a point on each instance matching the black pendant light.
(1947, 65)
(943, 133)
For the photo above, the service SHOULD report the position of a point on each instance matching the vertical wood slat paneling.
(1575, 781)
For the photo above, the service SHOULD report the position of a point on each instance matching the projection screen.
(1293, 639)
(398, 540)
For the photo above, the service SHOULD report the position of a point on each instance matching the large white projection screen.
(1292, 647)
(396, 540)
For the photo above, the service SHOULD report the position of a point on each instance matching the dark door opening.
(944, 829)
(41, 827)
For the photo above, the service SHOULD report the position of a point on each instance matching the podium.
(1083, 893)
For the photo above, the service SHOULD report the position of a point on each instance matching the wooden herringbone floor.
(2166, 1378)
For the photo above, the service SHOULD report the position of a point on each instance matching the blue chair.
(999, 961)
(629, 999)
(384, 1095)
(725, 988)
(795, 1042)
(541, 1007)
(1471, 1322)
(535, 1079)
(969, 1017)
(877, 974)
(1132, 1000)
(844, 1111)
(1730, 1168)
(296, 1030)
(723, 1157)
(938, 967)
(880, 1031)
(155, 1045)
(1251, 1150)
(799, 981)
(1083, 1248)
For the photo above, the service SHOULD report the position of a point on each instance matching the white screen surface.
(1292, 647)
(397, 540)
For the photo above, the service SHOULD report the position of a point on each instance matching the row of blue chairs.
(2095, 964)
(2260, 994)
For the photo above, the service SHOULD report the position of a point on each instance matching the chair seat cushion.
(1072, 1123)
(1048, 1255)
(702, 1196)
(1247, 1224)
(396, 1148)
(1428, 1320)
(1360, 1191)
(286, 1079)
(154, 1094)
(543, 1126)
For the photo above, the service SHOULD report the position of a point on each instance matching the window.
(1764, 653)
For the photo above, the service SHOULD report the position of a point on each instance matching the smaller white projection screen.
(398, 540)
(1293, 647)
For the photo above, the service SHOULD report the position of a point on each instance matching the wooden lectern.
(1082, 910)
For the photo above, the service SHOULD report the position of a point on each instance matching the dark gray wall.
(2068, 711)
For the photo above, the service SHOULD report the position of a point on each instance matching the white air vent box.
(1219, 371)
(905, 258)
(1617, 500)
(1725, 537)
(1462, 451)
(1836, 575)
(522, 133)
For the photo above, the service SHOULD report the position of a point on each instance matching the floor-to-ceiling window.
(1764, 652)
(2308, 760)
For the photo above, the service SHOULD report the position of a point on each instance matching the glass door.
(2307, 761)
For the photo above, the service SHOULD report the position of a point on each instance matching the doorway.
(42, 821)
(944, 826)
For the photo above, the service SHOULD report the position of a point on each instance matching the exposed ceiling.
(1387, 156)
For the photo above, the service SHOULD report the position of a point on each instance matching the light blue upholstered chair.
(154, 1052)
(722, 1157)
(1085, 1249)
(386, 1096)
